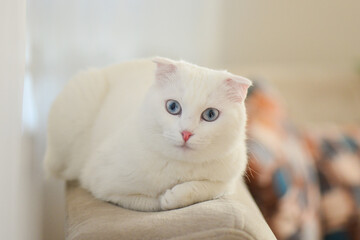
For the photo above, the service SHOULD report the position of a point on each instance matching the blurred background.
(299, 46)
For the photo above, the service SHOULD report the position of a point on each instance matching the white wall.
(18, 203)
(291, 32)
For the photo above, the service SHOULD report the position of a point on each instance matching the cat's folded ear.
(165, 70)
(237, 87)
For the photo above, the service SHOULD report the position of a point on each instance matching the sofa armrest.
(233, 217)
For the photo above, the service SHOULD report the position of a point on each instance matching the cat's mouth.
(185, 147)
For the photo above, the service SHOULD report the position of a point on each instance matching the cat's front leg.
(188, 193)
(136, 202)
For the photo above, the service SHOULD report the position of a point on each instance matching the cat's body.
(112, 129)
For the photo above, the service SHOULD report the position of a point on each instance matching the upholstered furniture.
(234, 217)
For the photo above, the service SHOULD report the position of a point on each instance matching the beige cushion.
(235, 217)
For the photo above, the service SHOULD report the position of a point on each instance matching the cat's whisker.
(201, 142)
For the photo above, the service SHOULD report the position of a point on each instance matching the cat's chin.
(183, 152)
(184, 147)
(186, 153)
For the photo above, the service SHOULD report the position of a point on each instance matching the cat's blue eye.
(173, 107)
(210, 114)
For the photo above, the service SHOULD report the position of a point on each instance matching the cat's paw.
(168, 200)
(177, 197)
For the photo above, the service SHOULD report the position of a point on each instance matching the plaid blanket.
(305, 181)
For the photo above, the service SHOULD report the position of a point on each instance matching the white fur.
(109, 129)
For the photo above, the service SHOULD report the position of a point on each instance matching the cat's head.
(193, 113)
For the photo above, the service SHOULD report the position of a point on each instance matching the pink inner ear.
(236, 90)
(164, 71)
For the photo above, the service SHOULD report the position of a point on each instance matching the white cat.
(150, 135)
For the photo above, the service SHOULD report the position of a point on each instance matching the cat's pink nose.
(186, 135)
